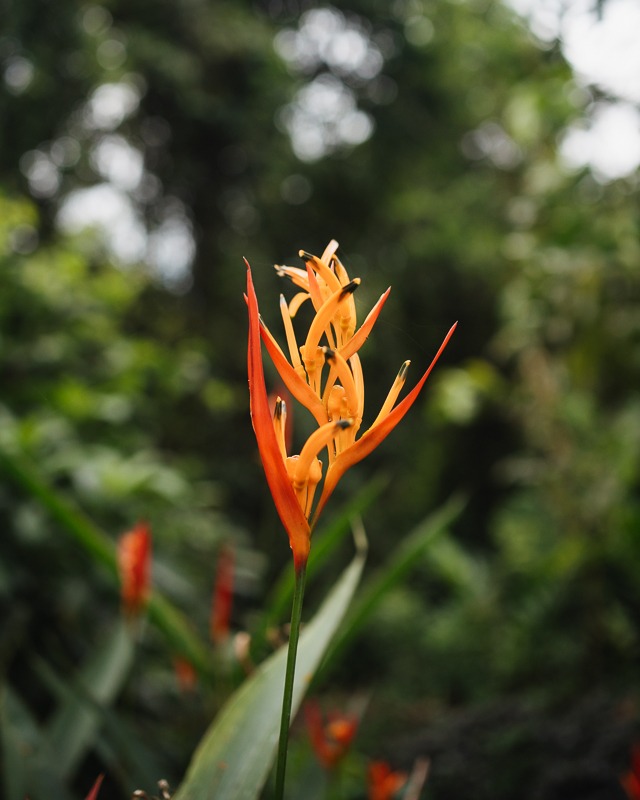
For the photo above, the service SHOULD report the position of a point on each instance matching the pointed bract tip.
(350, 287)
(246, 262)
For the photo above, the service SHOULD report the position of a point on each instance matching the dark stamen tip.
(329, 354)
(350, 287)
(280, 408)
(344, 423)
(307, 256)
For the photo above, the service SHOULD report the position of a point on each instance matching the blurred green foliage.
(123, 384)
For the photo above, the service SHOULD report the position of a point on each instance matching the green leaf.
(72, 731)
(233, 760)
(410, 548)
(28, 764)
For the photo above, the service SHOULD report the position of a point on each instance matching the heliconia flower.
(134, 567)
(325, 375)
(330, 740)
(222, 599)
(383, 783)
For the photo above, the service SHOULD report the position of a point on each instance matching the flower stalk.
(285, 720)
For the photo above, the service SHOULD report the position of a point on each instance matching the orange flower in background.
(330, 740)
(185, 673)
(631, 780)
(134, 567)
(383, 783)
(325, 375)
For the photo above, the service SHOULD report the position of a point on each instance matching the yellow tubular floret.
(315, 476)
(323, 270)
(320, 438)
(358, 377)
(395, 390)
(313, 358)
(317, 296)
(336, 402)
(279, 424)
(326, 312)
(295, 274)
(347, 317)
(346, 378)
(291, 337)
(296, 301)
(341, 272)
(329, 252)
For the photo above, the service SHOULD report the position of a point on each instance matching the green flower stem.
(294, 633)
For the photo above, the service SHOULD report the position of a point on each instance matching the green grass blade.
(29, 767)
(73, 728)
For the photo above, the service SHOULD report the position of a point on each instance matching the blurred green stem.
(294, 633)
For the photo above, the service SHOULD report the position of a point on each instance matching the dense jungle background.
(145, 149)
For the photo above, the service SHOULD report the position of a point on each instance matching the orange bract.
(134, 566)
(631, 780)
(330, 740)
(93, 793)
(384, 784)
(324, 374)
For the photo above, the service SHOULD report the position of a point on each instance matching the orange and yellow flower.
(325, 375)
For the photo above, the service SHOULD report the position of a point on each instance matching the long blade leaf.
(233, 760)
(73, 728)
(391, 574)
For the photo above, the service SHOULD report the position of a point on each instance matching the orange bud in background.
(330, 740)
(384, 784)
(631, 780)
(185, 674)
(134, 567)
(222, 600)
